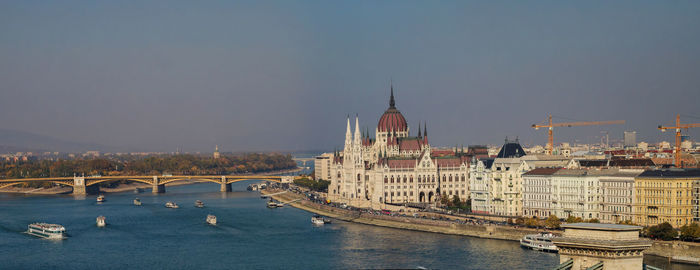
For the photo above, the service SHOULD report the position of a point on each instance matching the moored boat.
(48, 231)
(171, 205)
(199, 204)
(271, 204)
(211, 219)
(101, 198)
(101, 221)
(137, 202)
(541, 241)
(317, 220)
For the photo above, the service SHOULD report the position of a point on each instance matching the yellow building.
(664, 196)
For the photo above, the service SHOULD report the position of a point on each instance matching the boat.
(271, 204)
(171, 205)
(541, 242)
(279, 204)
(317, 220)
(101, 221)
(199, 204)
(137, 202)
(326, 220)
(101, 198)
(48, 231)
(211, 219)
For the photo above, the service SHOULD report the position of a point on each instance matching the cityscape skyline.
(252, 77)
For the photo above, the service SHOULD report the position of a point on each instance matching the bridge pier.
(224, 186)
(79, 187)
(156, 187)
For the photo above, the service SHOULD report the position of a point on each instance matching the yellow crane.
(678, 127)
(550, 126)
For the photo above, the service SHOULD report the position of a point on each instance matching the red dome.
(392, 120)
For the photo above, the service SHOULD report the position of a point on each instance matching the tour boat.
(101, 198)
(101, 221)
(540, 241)
(137, 202)
(171, 205)
(48, 231)
(211, 219)
(279, 204)
(317, 220)
(199, 204)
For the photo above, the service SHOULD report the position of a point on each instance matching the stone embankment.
(407, 223)
(675, 251)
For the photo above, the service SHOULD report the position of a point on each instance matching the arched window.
(404, 179)
(450, 178)
(386, 180)
(358, 177)
(392, 179)
(410, 180)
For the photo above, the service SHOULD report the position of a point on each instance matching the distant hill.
(20, 141)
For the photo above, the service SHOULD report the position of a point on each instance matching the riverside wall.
(675, 251)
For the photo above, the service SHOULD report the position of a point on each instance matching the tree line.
(185, 164)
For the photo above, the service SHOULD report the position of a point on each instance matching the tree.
(573, 219)
(520, 221)
(456, 201)
(663, 231)
(690, 232)
(593, 220)
(553, 222)
(532, 222)
(626, 222)
(444, 200)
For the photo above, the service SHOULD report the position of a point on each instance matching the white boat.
(171, 205)
(48, 231)
(271, 204)
(101, 221)
(101, 198)
(279, 204)
(317, 220)
(211, 219)
(199, 204)
(540, 241)
(137, 202)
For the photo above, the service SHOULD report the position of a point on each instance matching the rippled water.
(249, 236)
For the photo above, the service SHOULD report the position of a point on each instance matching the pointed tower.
(419, 132)
(347, 150)
(357, 138)
(425, 133)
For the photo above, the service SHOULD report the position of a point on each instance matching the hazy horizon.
(284, 75)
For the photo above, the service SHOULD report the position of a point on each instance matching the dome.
(392, 119)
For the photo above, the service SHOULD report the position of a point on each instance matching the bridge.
(83, 184)
(302, 160)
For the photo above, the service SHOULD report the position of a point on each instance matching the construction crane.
(550, 125)
(678, 127)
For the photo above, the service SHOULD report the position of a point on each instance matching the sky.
(284, 75)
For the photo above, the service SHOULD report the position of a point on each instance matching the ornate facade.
(394, 168)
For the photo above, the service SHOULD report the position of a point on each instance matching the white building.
(617, 189)
(537, 192)
(479, 179)
(393, 168)
(322, 166)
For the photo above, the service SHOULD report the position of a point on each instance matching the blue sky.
(283, 75)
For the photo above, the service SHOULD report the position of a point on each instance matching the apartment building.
(665, 196)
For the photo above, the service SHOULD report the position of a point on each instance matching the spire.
(348, 133)
(392, 103)
(425, 130)
(419, 133)
(357, 130)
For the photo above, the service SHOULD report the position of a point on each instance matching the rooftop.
(601, 227)
(665, 173)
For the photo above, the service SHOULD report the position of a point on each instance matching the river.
(248, 236)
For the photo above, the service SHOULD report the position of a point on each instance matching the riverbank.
(119, 188)
(673, 251)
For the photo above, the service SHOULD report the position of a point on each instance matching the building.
(664, 196)
(322, 166)
(394, 169)
(630, 138)
(479, 178)
(601, 246)
(216, 152)
(617, 192)
(537, 192)
(575, 193)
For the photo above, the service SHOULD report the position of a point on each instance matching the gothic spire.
(392, 103)
(419, 132)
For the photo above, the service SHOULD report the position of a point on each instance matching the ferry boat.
(211, 219)
(137, 202)
(541, 241)
(317, 220)
(101, 198)
(171, 205)
(199, 204)
(48, 231)
(101, 221)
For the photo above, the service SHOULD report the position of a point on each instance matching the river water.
(248, 236)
